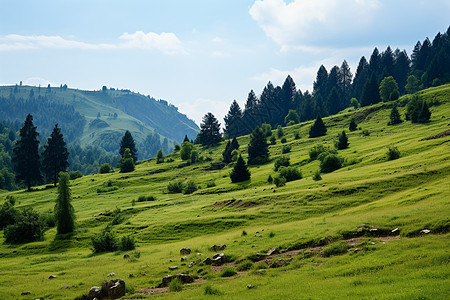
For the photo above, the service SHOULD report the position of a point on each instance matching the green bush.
(175, 187)
(269, 179)
(228, 272)
(290, 173)
(146, 198)
(280, 132)
(210, 183)
(286, 149)
(106, 241)
(75, 174)
(335, 249)
(316, 176)
(392, 153)
(105, 168)
(273, 140)
(176, 285)
(279, 181)
(315, 151)
(212, 291)
(283, 140)
(330, 163)
(282, 161)
(127, 243)
(7, 214)
(296, 135)
(189, 187)
(49, 219)
(244, 266)
(27, 227)
(186, 150)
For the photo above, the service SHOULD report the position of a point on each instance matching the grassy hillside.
(335, 233)
(108, 113)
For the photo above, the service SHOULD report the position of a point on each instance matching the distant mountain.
(99, 118)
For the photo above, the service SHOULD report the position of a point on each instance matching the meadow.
(356, 233)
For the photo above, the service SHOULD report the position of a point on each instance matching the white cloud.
(167, 43)
(305, 23)
(219, 53)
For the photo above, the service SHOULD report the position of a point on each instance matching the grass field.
(313, 222)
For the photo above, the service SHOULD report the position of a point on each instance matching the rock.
(191, 264)
(95, 292)
(52, 277)
(254, 246)
(25, 293)
(207, 261)
(274, 250)
(184, 278)
(279, 263)
(66, 287)
(111, 274)
(173, 268)
(131, 275)
(257, 257)
(372, 243)
(395, 230)
(185, 251)
(219, 259)
(183, 258)
(250, 286)
(426, 231)
(113, 289)
(126, 256)
(143, 274)
(220, 247)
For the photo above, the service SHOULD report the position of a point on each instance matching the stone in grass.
(185, 251)
(207, 261)
(111, 274)
(173, 268)
(25, 293)
(278, 263)
(220, 247)
(52, 277)
(219, 259)
(113, 289)
(274, 250)
(95, 292)
(126, 256)
(184, 258)
(425, 231)
(184, 278)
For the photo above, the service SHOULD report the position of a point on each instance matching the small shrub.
(7, 214)
(279, 181)
(315, 151)
(105, 168)
(280, 132)
(146, 198)
(244, 266)
(209, 290)
(316, 176)
(27, 227)
(176, 147)
(283, 140)
(392, 153)
(106, 241)
(335, 249)
(271, 234)
(273, 140)
(75, 174)
(210, 183)
(194, 156)
(290, 173)
(270, 179)
(127, 243)
(267, 129)
(228, 272)
(176, 285)
(49, 219)
(286, 149)
(189, 187)
(365, 132)
(296, 135)
(283, 161)
(175, 187)
(330, 163)
(244, 233)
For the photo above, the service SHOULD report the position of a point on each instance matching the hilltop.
(375, 228)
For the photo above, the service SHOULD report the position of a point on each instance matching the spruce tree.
(55, 156)
(209, 131)
(342, 142)
(258, 150)
(186, 139)
(394, 116)
(240, 171)
(234, 144)
(318, 128)
(353, 126)
(128, 142)
(233, 120)
(424, 114)
(226, 154)
(127, 163)
(26, 154)
(64, 211)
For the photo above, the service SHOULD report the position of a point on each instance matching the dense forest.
(337, 89)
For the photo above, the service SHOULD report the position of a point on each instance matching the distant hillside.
(99, 118)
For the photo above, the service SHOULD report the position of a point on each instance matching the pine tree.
(64, 211)
(55, 156)
(318, 128)
(424, 114)
(370, 94)
(209, 131)
(353, 126)
(342, 142)
(233, 119)
(240, 171)
(128, 142)
(159, 156)
(258, 150)
(234, 144)
(186, 139)
(226, 154)
(26, 155)
(127, 163)
(394, 116)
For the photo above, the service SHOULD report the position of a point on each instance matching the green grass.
(410, 193)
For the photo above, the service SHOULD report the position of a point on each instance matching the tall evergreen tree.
(342, 142)
(250, 116)
(387, 61)
(64, 211)
(209, 131)
(258, 150)
(26, 154)
(345, 81)
(127, 162)
(361, 76)
(233, 119)
(240, 171)
(424, 114)
(55, 156)
(333, 102)
(186, 139)
(401, 69)
(288, 91)
(128, 142)
(353, 126)
(394, 116)
(370, 94)
(375, 66)
(269, 107)
(320, 85)
(318, 128)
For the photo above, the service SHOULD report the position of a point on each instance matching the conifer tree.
(394, 116)
(64, 211)
(55, 156)
(234, 144)
(258, 150)
(128, 142)
(240, 171)
(370, 93)
(209, 131)
(26, 155)
(318, 128)
(159, 156)
(233, 120)
(186, 139)
(127, 163)
(342, 142)
(353, 126)
(424, 114)
(226, 154)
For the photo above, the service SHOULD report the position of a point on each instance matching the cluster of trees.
(385, 76)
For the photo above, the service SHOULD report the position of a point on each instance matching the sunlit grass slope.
(411, 193)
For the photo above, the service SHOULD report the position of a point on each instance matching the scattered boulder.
(183, 258)
(207, 261)
(220, 247)
(219, 259)
(274, 250)
(25, 293)
(173, 268)
(131, 275)
(191, 264)
(257, 257)
(111, 274)
(184, 278)
(395, 230)
(279, 263)
(250, 286)
(95, 292)
(52, 277)
(425, 231)
(113, 289)
(126, 256)
(185, 251)
(66, 287)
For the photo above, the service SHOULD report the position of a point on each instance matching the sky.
(200, 55)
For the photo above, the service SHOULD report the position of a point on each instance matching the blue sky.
(201, 55)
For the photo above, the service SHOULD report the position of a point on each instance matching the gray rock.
(52, 277)
(173, 268)
(207, 261)
(185, 251)
(95, 292)
(274, 250)
(184, 278)
(183, 258)
(113, 289)
(425, 231)
(279, 263)
(220, 247)
(25, 293)
(126, 256)
(395, 230)
(111, 274)
(250, 286)
(219, 259)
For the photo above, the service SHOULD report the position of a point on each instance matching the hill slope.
(103, 116)
(354, 234)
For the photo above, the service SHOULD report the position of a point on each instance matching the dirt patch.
(234, 203)
(388, 238)
(437, 136)
(153, 291)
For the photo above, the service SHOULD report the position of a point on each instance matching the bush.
(267, 129)
(365, 132)
(210, 183)
(186, 150)
(212, 291)
(75, 174)
(283, 140)
(335, 249)
(286, 149)
(244, 266)
(127, 163)
(159, 156)
(194, 156)
(27, 227)
(330, 163)
(392, 153)
(290, 173)
(105, 168)
(353, 126)
(270, 179)
(280, 132)
(228, 272)
(342, 142)
(7, 214)
(316, 150)
(316, 176)
(175, 187)
(146, 198)
(127, 243)
(273, 140)
(279, 181)
(282, 161)
(106, 241)
(189, 187)
(176, 285)
(49, 219)
(176, 147)
(296, 135)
